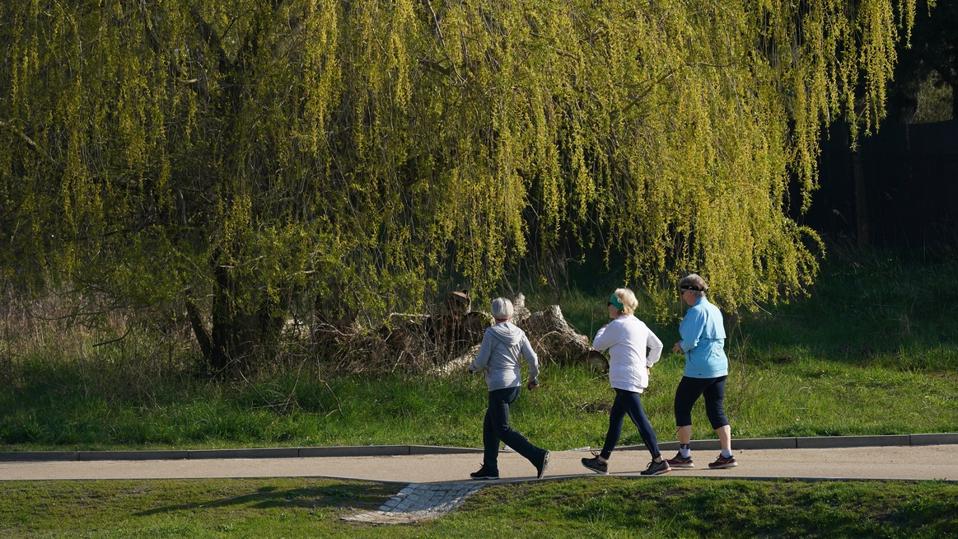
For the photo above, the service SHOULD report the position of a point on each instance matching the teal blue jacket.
(703, 341)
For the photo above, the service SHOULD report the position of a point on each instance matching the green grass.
(873, 311)
(802, 397)
(874, 350)
(183, 508)
(594, 507)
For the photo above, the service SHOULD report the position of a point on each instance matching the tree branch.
(635, 100)
(9, 125)
(442, 43)
(118, 339)
(211, 38)
(150, 30)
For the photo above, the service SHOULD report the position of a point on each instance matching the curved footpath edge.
(810, 442)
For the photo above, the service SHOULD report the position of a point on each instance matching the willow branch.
(30, 142)
(210, 36)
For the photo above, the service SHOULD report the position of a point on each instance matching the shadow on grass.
(362, 496)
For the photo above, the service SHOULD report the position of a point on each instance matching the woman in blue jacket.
(706, 368)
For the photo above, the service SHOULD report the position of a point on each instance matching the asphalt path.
(929, 462)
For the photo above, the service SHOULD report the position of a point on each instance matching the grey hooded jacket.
(499, 356)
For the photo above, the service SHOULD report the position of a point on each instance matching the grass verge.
(805, 397)
(595, 507)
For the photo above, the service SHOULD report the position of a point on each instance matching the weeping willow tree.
(277, 155)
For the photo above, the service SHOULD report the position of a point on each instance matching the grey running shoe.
(681, 462)
(657, 468)
(723, 462)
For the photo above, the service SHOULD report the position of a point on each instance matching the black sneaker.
(596, 466)
(485, 473)
(543, 464)
(657, 468)
(681, 462)
(723, 462)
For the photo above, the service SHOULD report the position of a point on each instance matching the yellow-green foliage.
(364, 148)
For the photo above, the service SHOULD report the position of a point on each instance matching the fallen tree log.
(446, 342)
(553, 339)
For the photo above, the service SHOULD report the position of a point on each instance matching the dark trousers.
(627, 402)
(688, 392)
(496, 427)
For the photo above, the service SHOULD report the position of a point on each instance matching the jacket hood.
(507, 332)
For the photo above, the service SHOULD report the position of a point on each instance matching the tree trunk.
(239, 336)
(214, 356)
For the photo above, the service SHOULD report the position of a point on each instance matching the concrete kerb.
(256, 453)
(238, 453)
(36, 456)
(440, 450)
(130, 455)
(830, 442)
(815, 442)
(355, 451)
(401, 450)
(934, 439)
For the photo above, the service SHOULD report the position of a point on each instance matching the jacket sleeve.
(691, 329)
(603, 338)
(482, 358)
(531, 358)
(654, 345)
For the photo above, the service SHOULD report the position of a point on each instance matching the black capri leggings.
(688, 392)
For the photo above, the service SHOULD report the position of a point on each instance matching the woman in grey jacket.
(502, 344)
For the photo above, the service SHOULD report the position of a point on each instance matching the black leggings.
(627, 402)
(688, 392)
(496, 427)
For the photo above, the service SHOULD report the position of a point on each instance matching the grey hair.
(502, 309)
(694, 283)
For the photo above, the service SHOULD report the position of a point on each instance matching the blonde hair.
(627, 298)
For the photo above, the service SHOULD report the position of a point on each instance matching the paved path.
(418, 502)
(916, 462)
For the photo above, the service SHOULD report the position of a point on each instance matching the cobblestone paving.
(417, 502)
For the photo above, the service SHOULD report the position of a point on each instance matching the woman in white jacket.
(627, 338)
